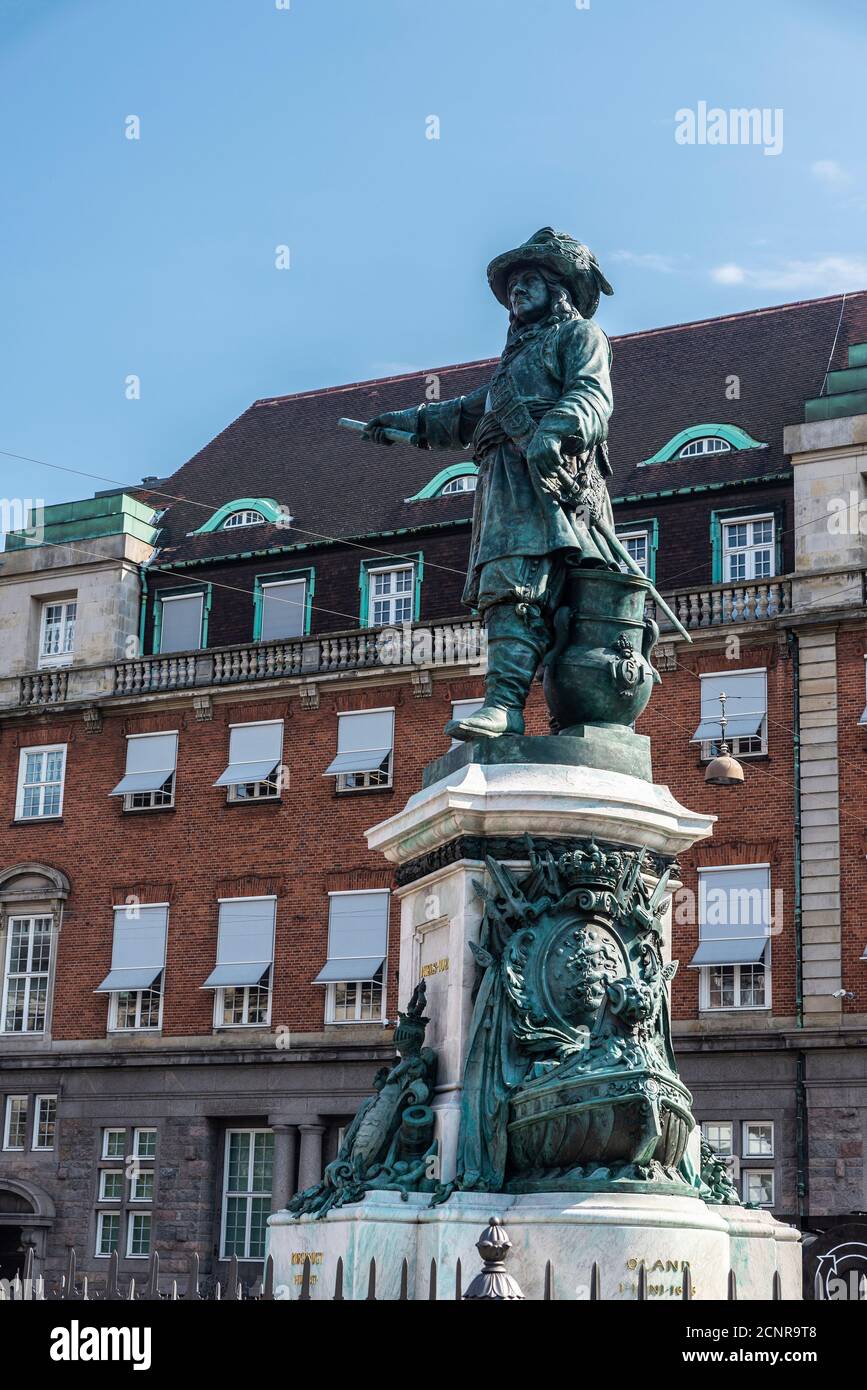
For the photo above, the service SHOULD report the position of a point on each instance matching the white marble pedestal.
(572, 1230)
(439, 842)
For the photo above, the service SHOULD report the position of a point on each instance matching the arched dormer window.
(458, 477)
(466, 482)
(697, 441)
(247, 511)
(708, 444)
(248, 517)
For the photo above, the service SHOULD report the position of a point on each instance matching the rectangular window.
(734, 913)
(111, 1185)
(365, 740)
(149, 778)
(358, 1002)
(138, 1242)
(758, 1139)
(720, 1135)
(637, 545)
(247, 1192)
(40, 782)
(245, 950)
(138, 956)
(748, 545)
(15, 1123)
(283, 609)
(107, 1232)
(357, 947)
(142, 1185)
(255, 757)
(180, 621)
(57, 633)
(114, 1143)
(746, 712)
(391, 595)
(25, 977)
(759, 1186)
(462, 709)
(44, 1122)
(144, 1143)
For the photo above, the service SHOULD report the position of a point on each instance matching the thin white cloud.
(646, 260)
(831, 174)
(822, 274)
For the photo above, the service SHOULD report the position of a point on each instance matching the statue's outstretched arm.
(435, 424)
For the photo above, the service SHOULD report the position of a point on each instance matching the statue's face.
(529, 296)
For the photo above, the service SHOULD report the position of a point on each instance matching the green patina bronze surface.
(546, 569)
(570, 1081)
(390, 1145)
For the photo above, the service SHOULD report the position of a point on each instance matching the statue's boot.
(516, 645)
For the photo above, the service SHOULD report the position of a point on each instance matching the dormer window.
(245, 518)
(465, 483)
(710, 444)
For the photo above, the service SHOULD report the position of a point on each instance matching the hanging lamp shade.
(724, 770)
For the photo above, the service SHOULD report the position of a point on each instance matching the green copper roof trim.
(320, 544)
(445, 475)
(785, 473)
(732, 434)
(266, 505)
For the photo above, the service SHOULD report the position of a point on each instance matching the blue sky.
(306, 127)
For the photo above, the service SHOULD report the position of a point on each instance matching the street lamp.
(724, 770)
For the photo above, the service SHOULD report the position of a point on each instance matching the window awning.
(363, 760)
(863, 719)
(743, 950)
(364, 741)
(150, 762)
(336, 972)
(129, 979)
(255, 751)
(241, 973)
(738, 726)
(138, 949)
(245, 942)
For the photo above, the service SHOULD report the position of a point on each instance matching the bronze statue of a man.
(538, 433)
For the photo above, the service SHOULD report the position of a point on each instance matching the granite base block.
(572, 1230)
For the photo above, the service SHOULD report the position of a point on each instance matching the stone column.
(285, 1149)
(310, 1163)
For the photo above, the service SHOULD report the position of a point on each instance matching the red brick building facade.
(211, 1119)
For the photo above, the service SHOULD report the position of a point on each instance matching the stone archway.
(26, 1216)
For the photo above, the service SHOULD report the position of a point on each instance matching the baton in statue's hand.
(393, 436)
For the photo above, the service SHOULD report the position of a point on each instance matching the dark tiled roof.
(290, 448)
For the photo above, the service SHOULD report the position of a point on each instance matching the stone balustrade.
(458, 642)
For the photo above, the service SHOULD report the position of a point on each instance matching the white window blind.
(138, 952)
(181, 623)
(734, 913)
(357, 937)
(150, 762)
(283, 609)
(255, 751)
(364, 741)
(245, 942)
(746, 705)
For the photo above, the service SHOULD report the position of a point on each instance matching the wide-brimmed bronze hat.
(571, 261)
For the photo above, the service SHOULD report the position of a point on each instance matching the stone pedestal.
(484, 802)
(572, 1230)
